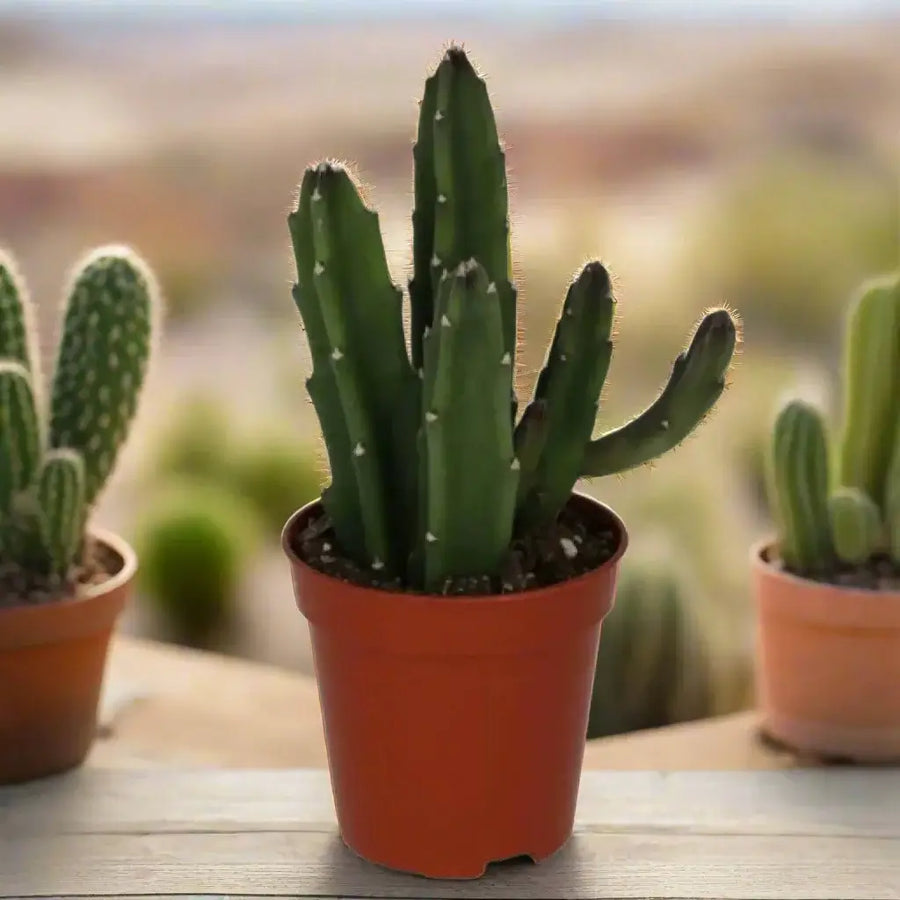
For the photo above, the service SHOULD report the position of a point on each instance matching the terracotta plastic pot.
(828, 665)
(455, 726)
(52, 660)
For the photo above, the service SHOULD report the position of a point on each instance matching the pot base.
(462, 869)
(832, 744)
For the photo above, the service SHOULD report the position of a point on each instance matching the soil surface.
(569, 547)
(19, 587)
(878, 574)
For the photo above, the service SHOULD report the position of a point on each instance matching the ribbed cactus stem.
(20, 434)
(461, 205)
(365, 391)
(799, 479)
(61, 510)
(17, 329)
(696, 383)
(472, 471)
(107, 337)
(872, 396)
(856, 526)
(569, 387)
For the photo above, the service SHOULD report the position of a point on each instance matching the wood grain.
(789, 834)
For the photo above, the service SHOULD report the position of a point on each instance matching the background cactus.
(654, 667)
(52, 472)
(832, 516)
(431, 478)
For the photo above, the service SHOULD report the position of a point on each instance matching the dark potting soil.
(21, 588)
(878, 574)
(569, 547)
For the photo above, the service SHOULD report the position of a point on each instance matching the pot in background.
(828, 664)
(52, 662)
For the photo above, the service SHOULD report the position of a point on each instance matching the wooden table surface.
(262, 833)
(170, 706)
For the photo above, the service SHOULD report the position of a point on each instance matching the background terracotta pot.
(455, 727)
(52, 660)
(828, 664)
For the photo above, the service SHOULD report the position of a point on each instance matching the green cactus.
(800, 482)
(653, 667)
(52, 472)
(846, 514)
(431, 477)
(855, 522)
(60, 507)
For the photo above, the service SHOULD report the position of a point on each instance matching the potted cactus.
(453, 582)
(62, 582)
(828, 588)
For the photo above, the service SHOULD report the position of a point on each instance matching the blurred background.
(708, 153)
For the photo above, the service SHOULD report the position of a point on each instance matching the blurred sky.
(555, 9)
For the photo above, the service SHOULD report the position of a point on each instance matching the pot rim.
(112, 541)
(760, 562)
(458, 599)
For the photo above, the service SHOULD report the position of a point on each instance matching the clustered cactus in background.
(53, 464)
(431, 477)
(840, 517)
(654, 667)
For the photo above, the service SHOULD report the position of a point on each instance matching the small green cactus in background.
(55, 462)
(195, 540)
(844, 513)
(432, 477)
(654, 667)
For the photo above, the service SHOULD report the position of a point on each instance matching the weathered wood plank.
(792, 834)
(593, 865)
(825, 802)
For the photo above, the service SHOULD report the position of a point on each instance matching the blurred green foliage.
(195, 541)
(653, 668)
(788, 241)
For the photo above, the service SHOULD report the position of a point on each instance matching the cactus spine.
(51, 473)
(845, 515)
(430, 474)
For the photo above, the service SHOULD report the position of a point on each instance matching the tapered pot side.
(52, 662)
(828, 664)
(455, 726)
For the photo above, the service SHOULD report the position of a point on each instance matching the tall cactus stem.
(799, 479)
(871, 388)
(472, 471)
(569, 386)
(892, 498)
(107, 337)
(20, 434)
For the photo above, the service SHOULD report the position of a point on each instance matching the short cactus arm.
(892, 498)
(569, 387)
(472, 472)
(461, 193)
(60, 509)
(108, 332)
(696, 383)
(20, 434)
(871, 389)
(799, 485)
(352, 312)
(855, 521)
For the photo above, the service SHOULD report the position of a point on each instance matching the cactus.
(432, 478)
(846, 515)
(653, 666)
(51, 472)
